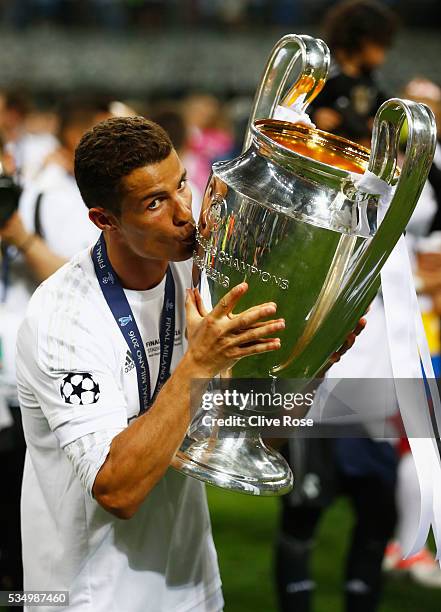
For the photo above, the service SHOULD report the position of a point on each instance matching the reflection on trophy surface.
(290, 218)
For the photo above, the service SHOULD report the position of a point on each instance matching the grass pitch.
(244, 528)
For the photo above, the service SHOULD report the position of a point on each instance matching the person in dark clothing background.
(359, 34)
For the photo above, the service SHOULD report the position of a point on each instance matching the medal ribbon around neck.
(122, 313)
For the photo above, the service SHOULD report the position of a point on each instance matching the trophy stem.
(240, 462)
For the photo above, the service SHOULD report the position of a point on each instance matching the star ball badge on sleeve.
(79, 388)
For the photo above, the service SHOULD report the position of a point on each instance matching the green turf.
(244, 529)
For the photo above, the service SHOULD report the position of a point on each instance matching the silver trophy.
(287, 217)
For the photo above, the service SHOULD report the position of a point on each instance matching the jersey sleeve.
(67, 369)
(87, 455)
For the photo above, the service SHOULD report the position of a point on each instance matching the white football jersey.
(78, 388)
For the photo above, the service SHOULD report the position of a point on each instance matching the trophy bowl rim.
(304, 218)
(355, 153)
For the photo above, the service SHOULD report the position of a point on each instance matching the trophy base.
(243, 464)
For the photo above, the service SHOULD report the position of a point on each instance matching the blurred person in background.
(28, 150)
(50, 225)
(43, 117)
(210, 137)
(424, 239)
(11, 437)
(359, 32)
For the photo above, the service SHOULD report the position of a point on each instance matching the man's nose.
(182, 211)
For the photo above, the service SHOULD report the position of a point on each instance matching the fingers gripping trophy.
(295, 216)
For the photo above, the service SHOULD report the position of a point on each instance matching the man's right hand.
(217, 340)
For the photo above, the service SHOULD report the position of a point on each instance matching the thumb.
(200, 303)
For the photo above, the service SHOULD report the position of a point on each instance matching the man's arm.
(140, 455)
(41, 260)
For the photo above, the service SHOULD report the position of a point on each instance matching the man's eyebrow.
(153, 194)
(156, 194)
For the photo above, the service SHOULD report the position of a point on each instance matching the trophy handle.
(420, 145)
(315, 65)
(418, 157)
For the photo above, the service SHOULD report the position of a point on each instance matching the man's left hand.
(348, 343)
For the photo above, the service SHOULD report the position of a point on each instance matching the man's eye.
(154, 205)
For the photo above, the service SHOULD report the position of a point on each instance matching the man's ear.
(103, 219)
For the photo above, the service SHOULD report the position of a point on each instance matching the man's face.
(156, 220)
(371, 55)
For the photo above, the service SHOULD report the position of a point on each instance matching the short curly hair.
(112, 150)
(349, 24)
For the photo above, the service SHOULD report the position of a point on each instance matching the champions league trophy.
(295, 216)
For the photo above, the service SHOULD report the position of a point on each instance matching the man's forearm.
(41, 260)
(140, 455)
